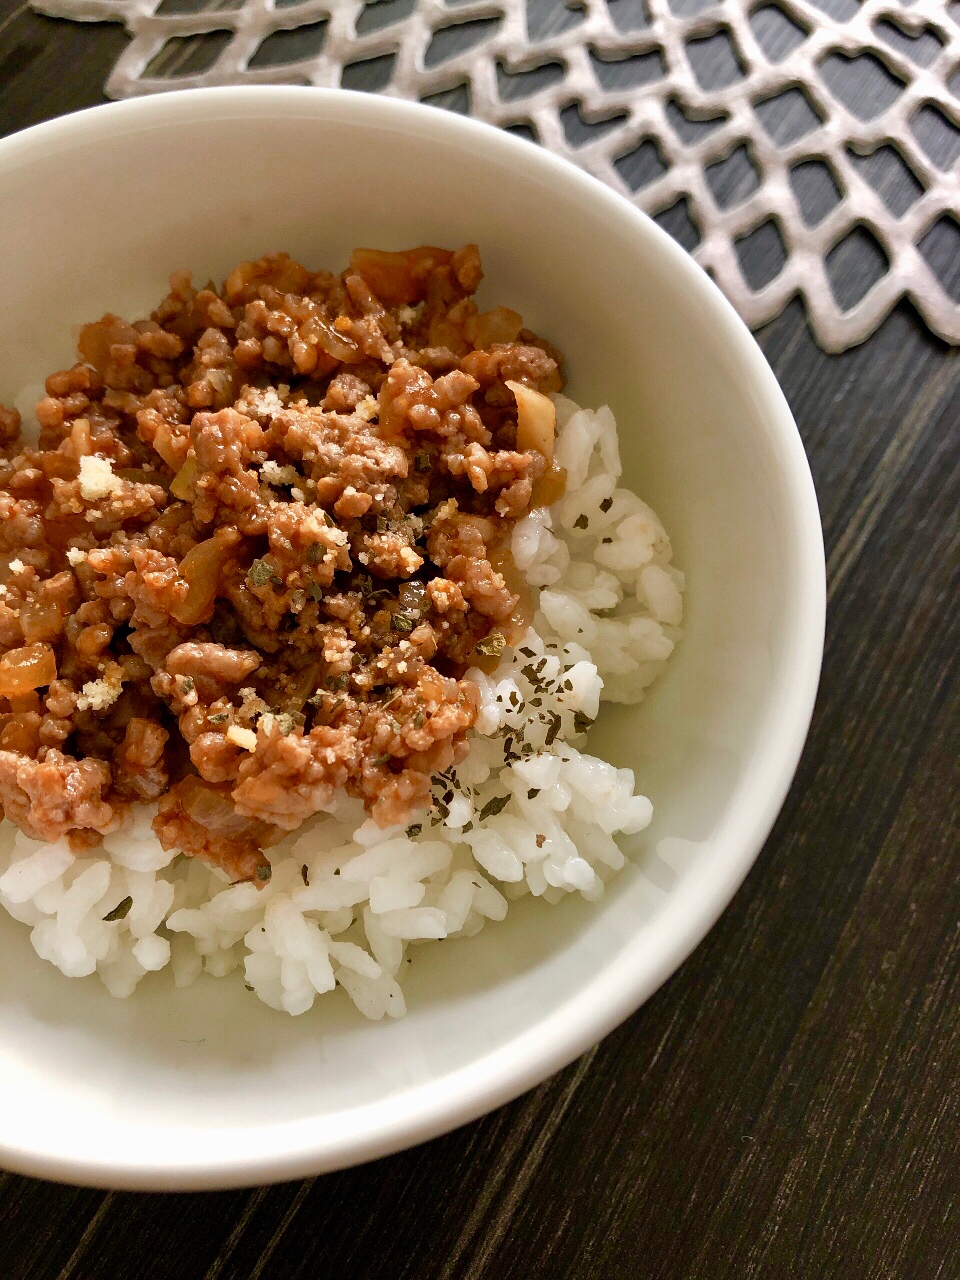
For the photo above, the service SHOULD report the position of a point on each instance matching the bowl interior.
(207, 1086)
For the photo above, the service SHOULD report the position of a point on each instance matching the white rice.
(528, 811)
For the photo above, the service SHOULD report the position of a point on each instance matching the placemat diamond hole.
(521, 84)
(690, 8)
(776, 32)
(854, 266)
(733, 180)
(761, 254)
(368, 74)
(815, 189)
(677, 222)
(187, 55)
(169, 7)
(940, 246)
(715, 60)
(787, 116)
(938, 136)
(525, 131)
(374, 17)
(862, 83)
(283, 47)
(579, 130)
(552, 17)
(890, 176)
(616, 74)
(641, 165)
(450, 42)
(628, 15)
(842, 10)
(923, 48)
(456, 98)
(689, 126)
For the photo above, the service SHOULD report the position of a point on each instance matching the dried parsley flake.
(492, 645)
(493, 807)
(260, 573)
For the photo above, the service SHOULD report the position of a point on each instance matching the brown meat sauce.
(262, 537)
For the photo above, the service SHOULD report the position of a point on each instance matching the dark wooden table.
(788, 1105)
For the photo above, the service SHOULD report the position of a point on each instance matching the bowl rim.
(306, 1147)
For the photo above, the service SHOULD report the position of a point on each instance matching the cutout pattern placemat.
(618, 87)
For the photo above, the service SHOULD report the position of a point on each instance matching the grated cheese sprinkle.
(97, 695)
(96, 478)
(273, 473)
(366, 409)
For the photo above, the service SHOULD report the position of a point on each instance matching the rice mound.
(528, 811)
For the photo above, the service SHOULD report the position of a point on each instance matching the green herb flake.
(260, 573)
(401, 622)
(492, 645)
(414, 830)
(383, 759)
(442, 810)
(606, 504)
(493, 807)
(264, 873)
(287, 721)
(298, 600)
(533, 793)
(305, 875)
(422, 461)
(555, 723)
(582, 522)
(581, 722)
(276, 580)
(120, 911)
(338, 682)
(527, 653)
(315, 591)
(220, 718)
(314, 553)
(418, 720)
(187, 684)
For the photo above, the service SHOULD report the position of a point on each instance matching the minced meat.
(262, 537)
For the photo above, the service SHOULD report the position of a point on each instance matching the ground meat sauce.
(262, 537)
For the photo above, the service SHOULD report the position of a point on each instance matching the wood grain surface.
(787, 1104)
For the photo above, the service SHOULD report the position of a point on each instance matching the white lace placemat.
(774, 97)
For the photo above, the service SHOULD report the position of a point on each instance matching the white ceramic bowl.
(207, 1087)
